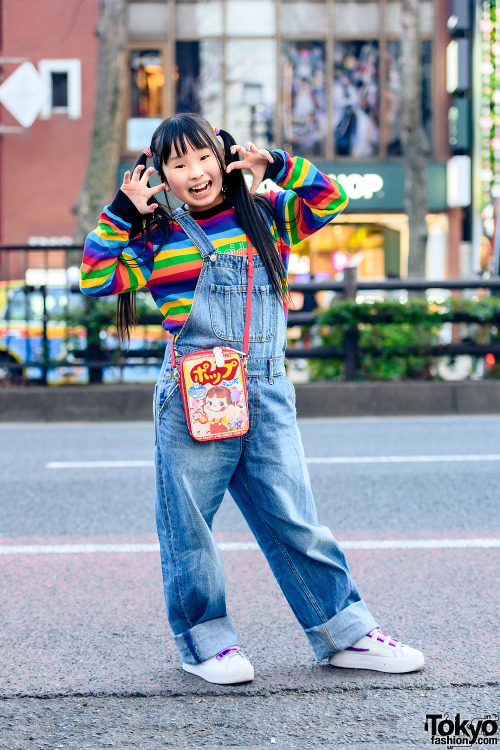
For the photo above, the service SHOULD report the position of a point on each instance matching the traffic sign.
(24, 94)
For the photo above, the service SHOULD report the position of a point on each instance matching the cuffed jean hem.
(351, 624)
(206, 639)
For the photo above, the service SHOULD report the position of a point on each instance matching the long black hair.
(254, 213)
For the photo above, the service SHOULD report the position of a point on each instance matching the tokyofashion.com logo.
(458, 732)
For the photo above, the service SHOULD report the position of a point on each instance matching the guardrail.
(41, 354)
(350, 287)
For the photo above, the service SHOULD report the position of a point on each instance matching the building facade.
(320, 78)
(43, 165)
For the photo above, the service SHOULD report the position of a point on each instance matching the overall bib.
(264, 471)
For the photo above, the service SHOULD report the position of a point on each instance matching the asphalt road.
(87, 659)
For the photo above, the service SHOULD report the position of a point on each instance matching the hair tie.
(148, 152)
(216, 130)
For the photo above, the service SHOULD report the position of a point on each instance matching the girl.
(199, 284)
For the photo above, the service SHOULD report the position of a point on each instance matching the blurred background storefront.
(320, 78)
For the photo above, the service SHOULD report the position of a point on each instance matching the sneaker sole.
(378, 663)
(191, 668)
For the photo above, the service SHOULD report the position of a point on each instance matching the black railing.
(16, 260)
(350, 287)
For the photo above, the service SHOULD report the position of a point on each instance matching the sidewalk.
(105, 403)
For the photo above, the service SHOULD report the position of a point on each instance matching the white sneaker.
(227, 668)
(380, 652)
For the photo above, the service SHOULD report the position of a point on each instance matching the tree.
(100, 179)
(415, 146)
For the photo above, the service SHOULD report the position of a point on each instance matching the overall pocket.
(227, 312)
(164, 396)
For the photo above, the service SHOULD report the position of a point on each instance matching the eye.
(178, 166)
(221, 403)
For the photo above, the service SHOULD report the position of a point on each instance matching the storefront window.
(392, 109)
(356, 98)
(302, 74)
(303, 17)
(146, 83)
(251, 90)
(426, 15)
(393, 17)
(147, 20)
(146, 97)
(199, 78)
(355, 18)
(304, 97)
(198, 18)
(250, 17)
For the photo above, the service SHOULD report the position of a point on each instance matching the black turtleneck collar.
(214, 211)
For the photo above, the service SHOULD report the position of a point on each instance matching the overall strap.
(198, 237)
(201, 240)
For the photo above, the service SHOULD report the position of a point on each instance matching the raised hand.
(136, 188)
(255, 160)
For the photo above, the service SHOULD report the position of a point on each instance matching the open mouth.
(201, 189)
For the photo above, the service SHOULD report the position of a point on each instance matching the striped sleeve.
(308, 201)
(112, 262)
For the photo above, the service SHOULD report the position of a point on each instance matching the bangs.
(181, 132)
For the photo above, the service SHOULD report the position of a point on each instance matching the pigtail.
(254, 213)
(126, 304)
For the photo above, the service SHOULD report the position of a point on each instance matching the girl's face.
(217, 404)
(195, 178)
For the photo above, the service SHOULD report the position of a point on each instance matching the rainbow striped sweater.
(308, 200)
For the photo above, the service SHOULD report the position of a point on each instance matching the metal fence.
(51, 333)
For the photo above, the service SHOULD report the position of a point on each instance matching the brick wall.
(42, 169)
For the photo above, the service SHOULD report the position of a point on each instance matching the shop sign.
(381, 186)
(360, 185)
(380, 190)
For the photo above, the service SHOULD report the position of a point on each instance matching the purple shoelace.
(380, 635)
(227, 651)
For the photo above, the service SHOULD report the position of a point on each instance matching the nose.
(196, 170)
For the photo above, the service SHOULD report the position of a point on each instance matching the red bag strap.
(248, 310)
(248, 306)
(172, 357)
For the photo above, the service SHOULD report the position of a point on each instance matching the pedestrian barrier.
(50, 333)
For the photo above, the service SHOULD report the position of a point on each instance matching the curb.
(128, 403)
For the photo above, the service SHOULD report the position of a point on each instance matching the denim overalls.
(265, 473)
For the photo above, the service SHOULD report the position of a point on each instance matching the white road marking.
(139, 547)
(98, 464)
(402, 459)
(133, 464)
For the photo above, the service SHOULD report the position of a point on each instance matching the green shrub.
(391, 327)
